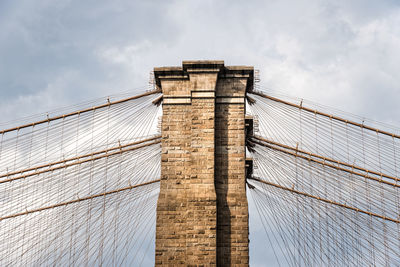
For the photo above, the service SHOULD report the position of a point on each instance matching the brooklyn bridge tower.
(202, 210)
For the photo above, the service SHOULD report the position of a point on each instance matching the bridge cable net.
(82, 189)
(326, 184)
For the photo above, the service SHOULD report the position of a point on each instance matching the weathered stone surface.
(202, 212)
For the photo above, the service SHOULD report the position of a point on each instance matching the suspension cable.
(327, 164)
(326, 159)
(78, 200)
(79, 112)
(325, 200)
(78, 157)
(326, 115)
(120, 151)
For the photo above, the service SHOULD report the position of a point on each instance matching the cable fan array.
(326, 188)
(80, 188)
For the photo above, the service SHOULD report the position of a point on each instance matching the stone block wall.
(202, 213)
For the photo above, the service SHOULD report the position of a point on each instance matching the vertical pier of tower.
(202, 214)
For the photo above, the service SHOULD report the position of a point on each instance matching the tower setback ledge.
(204, 66)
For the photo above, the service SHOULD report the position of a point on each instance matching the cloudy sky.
(340, 53)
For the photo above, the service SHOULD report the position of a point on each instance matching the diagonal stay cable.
(78, 157)
(326, 115)
(78, 200)
(259, 138)
(78, 112)
(106, 155)
(325, 200)
(309, 158)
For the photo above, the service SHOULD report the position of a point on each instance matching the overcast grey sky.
(343, 54)
(340, 53)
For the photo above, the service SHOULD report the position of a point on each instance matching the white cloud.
(326, 51)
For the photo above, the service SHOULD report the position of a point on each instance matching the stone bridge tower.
(202, 210)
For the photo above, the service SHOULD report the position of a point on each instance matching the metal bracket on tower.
(249, 129)
(249, 167)
(249, 123)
